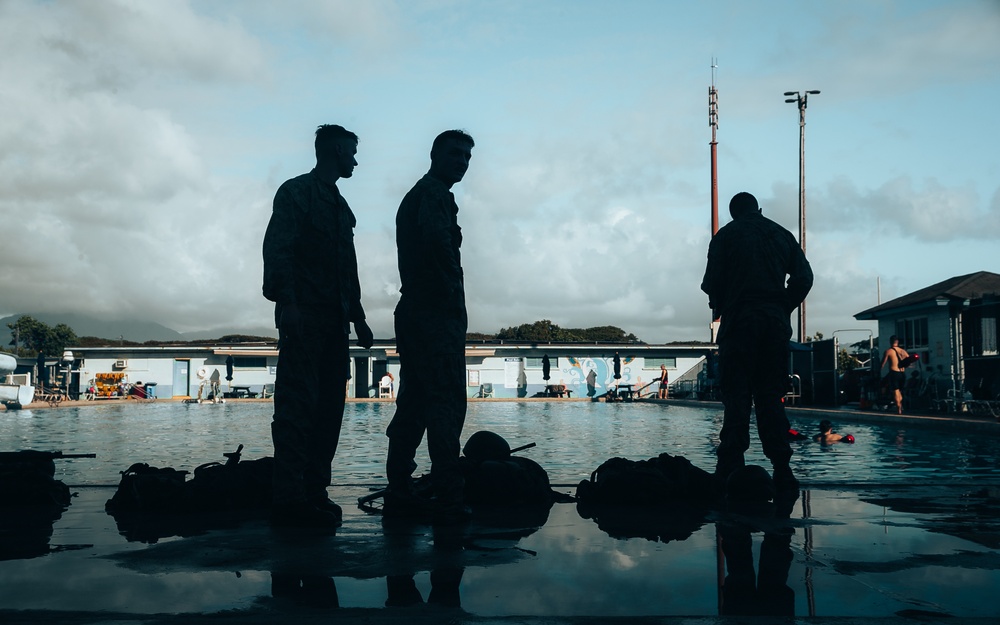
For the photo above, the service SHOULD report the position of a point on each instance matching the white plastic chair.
(385, 389)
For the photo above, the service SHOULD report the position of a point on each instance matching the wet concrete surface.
(892, 553)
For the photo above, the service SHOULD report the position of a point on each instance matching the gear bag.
(145, 488)
(656, 481)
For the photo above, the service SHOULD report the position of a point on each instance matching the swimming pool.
(572, 439)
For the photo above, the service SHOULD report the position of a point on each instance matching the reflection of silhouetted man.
(314, 591)
(402, 590)
(762, 593)
(431, 323)
(311, 274)
(748, 260)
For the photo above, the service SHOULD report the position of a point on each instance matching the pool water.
(571, 440)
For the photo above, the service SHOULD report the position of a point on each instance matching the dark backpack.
(652, 482)
(238, 485)
(514, 481)
(146, 488)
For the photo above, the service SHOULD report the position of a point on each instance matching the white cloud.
(142, 142)
(928, 212)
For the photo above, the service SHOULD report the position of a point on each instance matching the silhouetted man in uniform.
(748, 261)
(431, 324)
(311, 274)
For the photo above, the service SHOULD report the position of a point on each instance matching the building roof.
(959, 288)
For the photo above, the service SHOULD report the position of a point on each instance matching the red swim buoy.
(849, 438)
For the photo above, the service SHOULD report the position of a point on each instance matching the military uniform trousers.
(309, 398)
(753, 371)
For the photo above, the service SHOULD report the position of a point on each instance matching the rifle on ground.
(29, 461)
(29, 454)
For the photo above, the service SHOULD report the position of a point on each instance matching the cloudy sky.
(141, 143)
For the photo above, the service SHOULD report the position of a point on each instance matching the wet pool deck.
(859, 553)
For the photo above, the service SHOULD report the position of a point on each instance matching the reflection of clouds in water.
(580, 571)
(96, 584)
(892, 535)
(623, 561)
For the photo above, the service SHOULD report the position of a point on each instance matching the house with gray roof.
(952, 325)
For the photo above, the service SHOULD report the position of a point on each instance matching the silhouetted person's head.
(893, 340)
(743, 205)
(825, 426)
(450, 156)
(336, 148)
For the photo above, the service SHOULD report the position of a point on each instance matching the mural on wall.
(580, 368)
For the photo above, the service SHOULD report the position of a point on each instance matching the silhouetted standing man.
(311, 274)
(431, 324)
(748, 260)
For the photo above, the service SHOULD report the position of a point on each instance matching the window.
(536, 363)
(989, 335)
(979, 329)
(249, 362)
(654, 363)
(912, 333)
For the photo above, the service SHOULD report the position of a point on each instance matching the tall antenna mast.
(713, 121)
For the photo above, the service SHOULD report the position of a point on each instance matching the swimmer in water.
(826, 433)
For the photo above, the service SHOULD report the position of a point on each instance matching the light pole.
(802, 100)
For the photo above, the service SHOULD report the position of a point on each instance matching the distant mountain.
(128, 329)
(83, 325)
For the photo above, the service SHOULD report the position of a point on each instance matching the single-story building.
(493, 369)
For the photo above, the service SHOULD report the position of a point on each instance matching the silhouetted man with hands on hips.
(431, 324)
(748, 261)
(311, 274)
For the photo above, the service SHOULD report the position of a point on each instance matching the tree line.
(544, 331)
(31, 337)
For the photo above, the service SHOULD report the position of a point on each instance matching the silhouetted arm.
(437, 212)
(712, 282)
(800, 277)
(279, 249)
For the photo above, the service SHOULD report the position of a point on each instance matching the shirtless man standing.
(896, 377)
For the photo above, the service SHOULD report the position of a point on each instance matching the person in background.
(664, 383)
(311, 275)
(896, 378)
(826, 433)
